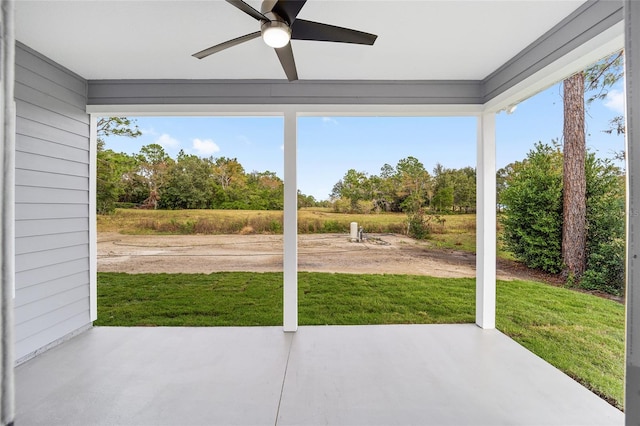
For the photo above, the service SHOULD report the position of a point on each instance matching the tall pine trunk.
(574, 205)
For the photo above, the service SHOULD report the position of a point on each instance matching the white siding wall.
(52, 203)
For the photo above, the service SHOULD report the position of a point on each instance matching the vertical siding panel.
(52, 202)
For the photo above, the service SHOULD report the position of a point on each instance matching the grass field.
(582, 335)
(448, 231)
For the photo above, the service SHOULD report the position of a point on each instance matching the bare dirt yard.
(378, 254)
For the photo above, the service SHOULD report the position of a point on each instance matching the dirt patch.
(379, 254)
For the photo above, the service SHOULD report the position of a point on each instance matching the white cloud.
(282, 147)
(329, 120)
(205, 148)
(615, 101)
(166, 141)
(149, 132)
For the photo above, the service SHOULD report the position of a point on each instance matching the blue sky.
(329, 146)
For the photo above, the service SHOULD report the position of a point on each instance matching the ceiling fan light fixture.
(276, 34)
(276, 18)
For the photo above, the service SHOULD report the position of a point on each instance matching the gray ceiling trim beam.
(263, 92)
(589, 20)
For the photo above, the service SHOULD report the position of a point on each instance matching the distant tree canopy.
(406, 187)
(152, 179)
(111, 167)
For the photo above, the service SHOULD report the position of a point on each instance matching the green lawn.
(581, 334)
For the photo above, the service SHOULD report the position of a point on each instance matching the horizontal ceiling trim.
(275, 110)
(259, 92)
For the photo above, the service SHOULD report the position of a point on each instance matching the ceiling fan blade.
(248, 10)
(285, 54)
(288, 9)
(227, 44)
(309, 30)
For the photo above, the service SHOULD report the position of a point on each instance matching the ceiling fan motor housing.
(276, 32)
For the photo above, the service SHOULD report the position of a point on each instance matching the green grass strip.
(581, 334)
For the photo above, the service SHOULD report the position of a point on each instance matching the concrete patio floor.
(335, 375)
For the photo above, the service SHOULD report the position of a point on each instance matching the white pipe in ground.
(354, 231)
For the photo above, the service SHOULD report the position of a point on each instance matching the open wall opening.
(576, 321)
(531, 159)
(407, 185)
(190, 220)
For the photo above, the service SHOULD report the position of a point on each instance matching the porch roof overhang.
(136, 56)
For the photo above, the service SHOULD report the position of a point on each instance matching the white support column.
(93, 234)
(290, 293)
(486, 222)
(7, 210)
(632, 77)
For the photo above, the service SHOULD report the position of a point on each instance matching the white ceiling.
(418, 40)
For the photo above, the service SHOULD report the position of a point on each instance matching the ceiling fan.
(279, 25)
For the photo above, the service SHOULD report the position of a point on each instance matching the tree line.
(406, 187)
(152, 179)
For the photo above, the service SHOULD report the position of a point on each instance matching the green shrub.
(333, 226)
(533, 217)
(342, 205)
(605, 227)
(187, 227)
(366, 206)
(418, 225)
(275, 227)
